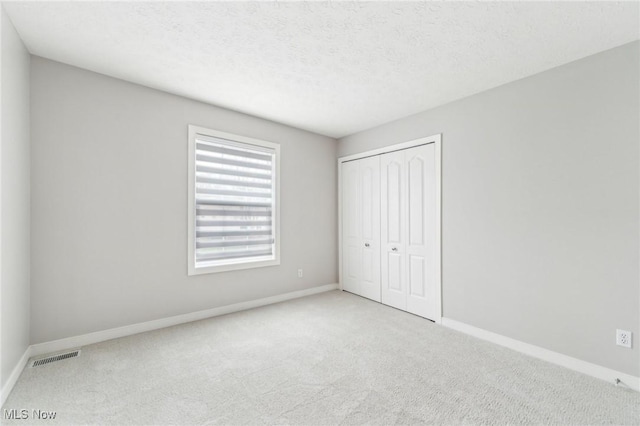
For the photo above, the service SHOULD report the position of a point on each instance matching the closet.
(390, 228)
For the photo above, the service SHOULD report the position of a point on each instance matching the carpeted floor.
(333, 358)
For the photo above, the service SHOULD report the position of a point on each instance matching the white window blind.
(234, 202)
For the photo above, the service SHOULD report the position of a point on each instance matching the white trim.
(76, 342)
(392, 148)
(191, 195)
(438, 254)
(15, 374)
(2, 389)
(340, 285)
(128, 330)
(566, 361)
(435, 139)
(233, 265)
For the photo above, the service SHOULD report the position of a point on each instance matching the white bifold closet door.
(361, 227)
(408, 223)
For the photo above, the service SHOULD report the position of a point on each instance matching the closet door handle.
(394, 249)
(366, 244)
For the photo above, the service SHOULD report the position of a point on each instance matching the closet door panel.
(351, 227)
(420, 163)
(415, 168)
(393, 211)
(370, 227)
(394, 262)
(394, 208)
(367, 176)
(416, 276)
(353, 268)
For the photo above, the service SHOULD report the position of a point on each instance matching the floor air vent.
(54, 358)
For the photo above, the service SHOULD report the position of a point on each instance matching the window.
(233, 202)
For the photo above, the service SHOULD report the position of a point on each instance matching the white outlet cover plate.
(623, 338)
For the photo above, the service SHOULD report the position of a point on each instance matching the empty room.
(335, 212)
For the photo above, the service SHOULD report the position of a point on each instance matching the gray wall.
(14, 190)
(109, 205)
(540, 205)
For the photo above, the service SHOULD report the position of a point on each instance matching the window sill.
(232, 267)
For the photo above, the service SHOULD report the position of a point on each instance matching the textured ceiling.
(333, 68)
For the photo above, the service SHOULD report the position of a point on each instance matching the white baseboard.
(566, 361)
(128, 330)
(15, 374)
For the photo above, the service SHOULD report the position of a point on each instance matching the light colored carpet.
(333, 358)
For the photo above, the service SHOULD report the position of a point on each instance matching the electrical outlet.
(623, 338)
(299, 273)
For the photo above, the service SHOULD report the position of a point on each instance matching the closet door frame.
(437, 140)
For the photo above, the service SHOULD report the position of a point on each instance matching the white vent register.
(233, 201)
(54, 358)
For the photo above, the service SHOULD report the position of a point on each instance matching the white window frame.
(232, 264)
